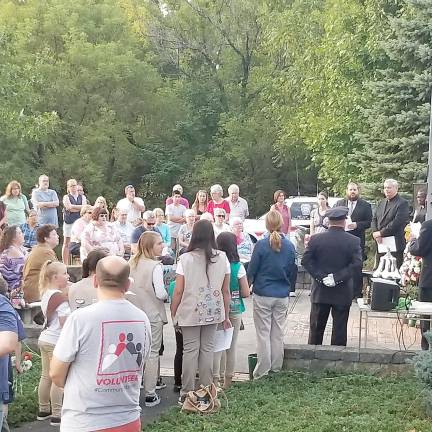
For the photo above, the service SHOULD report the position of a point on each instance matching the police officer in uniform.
(332, 258)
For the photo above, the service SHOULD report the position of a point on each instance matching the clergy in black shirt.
(390, 219)
(360, 217)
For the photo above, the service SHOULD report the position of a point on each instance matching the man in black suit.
(391, 217)
(332, 258)
(420, 210)
(422, 247)
(360, 217)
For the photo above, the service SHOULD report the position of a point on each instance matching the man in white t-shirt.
(175, 214)
(133, 205)
(100, 354)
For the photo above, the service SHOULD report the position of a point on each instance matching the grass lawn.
(287, 402)
(25, 406)
(294, 401)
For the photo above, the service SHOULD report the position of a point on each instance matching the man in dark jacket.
(422, 247)
(360, 217)
(391, 217)
(332, 258)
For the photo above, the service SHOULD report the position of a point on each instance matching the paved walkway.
(382, 333)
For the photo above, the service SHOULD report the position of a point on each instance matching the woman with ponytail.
(53, 281)
(201, 301)
(269, 272)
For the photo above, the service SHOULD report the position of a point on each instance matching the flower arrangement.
(410, 270)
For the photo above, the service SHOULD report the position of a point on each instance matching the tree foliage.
(264, 93)
(395, 140)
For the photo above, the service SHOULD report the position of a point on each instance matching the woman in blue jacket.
(269, 272)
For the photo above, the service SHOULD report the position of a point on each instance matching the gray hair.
(148, 215)
(235, 220)
(216, 188)
(391, 182)
(219, 210)
(189, 212)
(157, 211)
(233, 188)
(207, 216)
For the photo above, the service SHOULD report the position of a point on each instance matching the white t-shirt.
(51, 334)
(176, 211)
(126, 205)
(107, 344)
(179, 268)
(242, 272)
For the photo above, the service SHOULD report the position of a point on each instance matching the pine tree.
(395, 141)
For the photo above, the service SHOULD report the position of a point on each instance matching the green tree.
(395, 140)
(115, 117)
(324, 51)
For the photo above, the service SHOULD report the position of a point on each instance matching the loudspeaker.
(384, 294)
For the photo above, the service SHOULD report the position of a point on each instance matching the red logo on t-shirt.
(122, 348)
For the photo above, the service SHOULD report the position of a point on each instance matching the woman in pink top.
(280, 206)
(100, 234)
(217, 201)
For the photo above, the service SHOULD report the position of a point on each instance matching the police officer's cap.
(337, 213)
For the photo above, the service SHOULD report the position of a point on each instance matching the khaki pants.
(47, 390)
(198, 345)
(152, 364)
(224, 361)
(269, 315)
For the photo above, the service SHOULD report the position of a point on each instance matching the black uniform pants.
(178, 359)
(318, 320)
(425, 295)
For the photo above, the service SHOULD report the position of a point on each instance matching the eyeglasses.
(222, 216)
(151, 223)
(103, 215)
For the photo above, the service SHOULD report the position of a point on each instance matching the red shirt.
(212, 205)
(286, 217)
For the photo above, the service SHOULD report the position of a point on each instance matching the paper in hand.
(415, 229)
(386, 244)
(223, 339)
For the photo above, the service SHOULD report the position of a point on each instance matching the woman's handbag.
(202, 401)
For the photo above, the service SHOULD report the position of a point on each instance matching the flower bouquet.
(26, 365)
(410, 276)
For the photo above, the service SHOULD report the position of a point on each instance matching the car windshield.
(302, 210)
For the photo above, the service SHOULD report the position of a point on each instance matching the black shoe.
(55, 421)
(160, 384)
(177, 388)
(152, 400)
(41, 415)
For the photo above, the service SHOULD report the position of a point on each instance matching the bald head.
(112, 273)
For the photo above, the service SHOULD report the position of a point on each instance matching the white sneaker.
(292, 294)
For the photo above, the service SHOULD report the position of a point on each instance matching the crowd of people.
(100, 331)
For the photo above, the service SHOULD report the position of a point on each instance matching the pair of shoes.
(41, 415)
(177, 388)
(152, 400)
(160, 384)
(181, 400)
(292, 294)
(55, 421)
